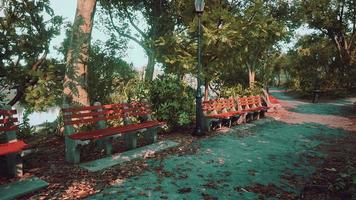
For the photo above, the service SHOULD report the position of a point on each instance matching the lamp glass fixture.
(2, 8)
(199, 6)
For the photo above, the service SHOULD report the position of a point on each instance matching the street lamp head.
(199, 6)
(2, 8)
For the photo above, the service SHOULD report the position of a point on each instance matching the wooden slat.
(91, 120)
(12, 147)
(94, 114)
(8, 112)
(85, 115)
(89, 108)
(8, 128)
(8, 120)
(97, 134)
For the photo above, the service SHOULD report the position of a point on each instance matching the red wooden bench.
(125, 119)
(10, 146)
(251, 106)
(219, 110)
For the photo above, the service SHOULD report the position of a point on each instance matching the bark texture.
(75, 80)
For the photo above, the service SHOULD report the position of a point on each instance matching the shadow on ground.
(260, 160)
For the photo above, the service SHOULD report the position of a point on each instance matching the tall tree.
(142, 22)
(236, 34)
(336, 20)
(24, 44)
(75, 80)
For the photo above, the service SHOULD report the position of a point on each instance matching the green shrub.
(133, 90)
(238, 90)
(25, 130)
(172, 100)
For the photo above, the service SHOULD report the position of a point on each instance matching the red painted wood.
(221, 115)
(89, 108)
(92, 114)
(218, 105)
(97, 134)
(8, 112)
(8, 128)
(89, 114)
(91, 120)
(12, 147)
(8, 120)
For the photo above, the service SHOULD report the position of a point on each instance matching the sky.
(67, 8)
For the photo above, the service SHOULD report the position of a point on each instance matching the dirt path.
(286, 114)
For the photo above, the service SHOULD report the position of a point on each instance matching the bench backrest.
(93, 114)
(8, 120)
(218, 105)
(258, 100)
(248, 102)
(242, 103)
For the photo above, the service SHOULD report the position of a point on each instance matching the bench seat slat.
(97, 134)
(8, 120)
(8, 128)
(222, 115)
(12, 147)
(8, 112)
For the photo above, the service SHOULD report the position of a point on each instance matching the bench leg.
(257, 115)
(72, 153)
(106, 144)
(207, 125)
(242, 119)
(263, 113)
(131, 140)
(249, 117)
(151, 135)
(229, 122)
(14, 165)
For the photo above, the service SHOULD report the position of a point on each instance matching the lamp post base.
(198, 132)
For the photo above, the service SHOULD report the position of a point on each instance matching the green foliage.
(24, 37)
(233, 91)
(107, 75)
(239, 91)
(172, 100)
(134, 90)
(124, 20)
(235, 34)
(313, 65)
(47, 92)
(25, 129)
(334, 21)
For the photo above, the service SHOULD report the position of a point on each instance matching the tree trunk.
(75, 80)
(251, 76)
(279, 79)
(150, 66)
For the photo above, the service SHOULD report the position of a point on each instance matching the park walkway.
(269, 158)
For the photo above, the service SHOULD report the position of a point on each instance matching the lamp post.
(199, 8)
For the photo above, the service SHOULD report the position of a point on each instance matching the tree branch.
(134, 25)
(126, 35)
(20, 89)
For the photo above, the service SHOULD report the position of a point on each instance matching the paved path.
(269, 158)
